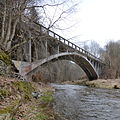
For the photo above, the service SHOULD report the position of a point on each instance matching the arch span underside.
(75, 57)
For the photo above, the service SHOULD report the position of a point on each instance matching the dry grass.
(17, 103)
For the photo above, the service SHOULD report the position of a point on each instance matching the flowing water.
(83, 103)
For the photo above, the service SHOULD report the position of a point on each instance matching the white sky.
(97, 20)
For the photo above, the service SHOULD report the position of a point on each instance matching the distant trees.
(112, 58)
(93, 47)
(110, 55)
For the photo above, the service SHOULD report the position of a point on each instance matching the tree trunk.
(14, 28)
(3, 25)
(9, 30)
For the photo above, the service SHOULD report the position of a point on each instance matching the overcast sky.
(97, 20)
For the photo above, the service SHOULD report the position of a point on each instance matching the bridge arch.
(82, 61)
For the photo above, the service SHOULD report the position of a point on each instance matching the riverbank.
(100, 83)
(18, 103)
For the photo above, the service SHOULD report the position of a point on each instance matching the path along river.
(83, 103)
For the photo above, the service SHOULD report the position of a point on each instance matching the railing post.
(79, 49)
(68, 43)
(72, 45)
(75, 47)
(64, 41)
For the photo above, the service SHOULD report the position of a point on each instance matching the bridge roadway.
(91, 65)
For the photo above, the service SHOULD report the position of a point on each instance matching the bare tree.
(14, 13)
(94, 48)
(11, 15)
(112, 58)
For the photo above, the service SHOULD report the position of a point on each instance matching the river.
(76, 102)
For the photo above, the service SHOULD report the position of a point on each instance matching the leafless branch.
(42, 6)
(51, 25)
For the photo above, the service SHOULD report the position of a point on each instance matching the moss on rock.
(24, 88)
(5, 63)
(4, 57)
(47, 97)
(41, 116)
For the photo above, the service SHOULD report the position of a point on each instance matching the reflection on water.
(84, 103)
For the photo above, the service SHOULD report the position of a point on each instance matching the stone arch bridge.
(56, 48)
